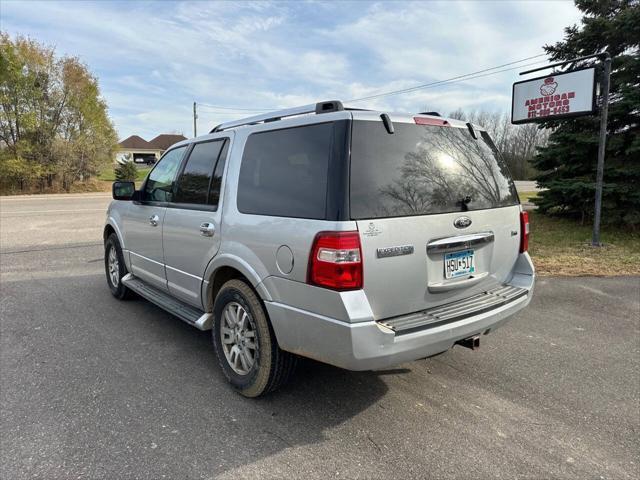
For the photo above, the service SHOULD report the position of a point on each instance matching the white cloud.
(155, 59)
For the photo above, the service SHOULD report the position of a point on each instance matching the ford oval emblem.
(462, 222)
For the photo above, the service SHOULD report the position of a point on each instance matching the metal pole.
(195, 117)
(595, 241)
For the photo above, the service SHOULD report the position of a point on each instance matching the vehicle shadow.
(153, 400)
(139, 393)
(317, 399)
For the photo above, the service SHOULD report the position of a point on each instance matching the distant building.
(137, 149)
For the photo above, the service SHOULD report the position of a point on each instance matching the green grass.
(109, 174)
(563, 247)
(527, 196)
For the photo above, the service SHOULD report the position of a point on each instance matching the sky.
(154, 59)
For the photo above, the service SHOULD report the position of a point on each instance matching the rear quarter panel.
(255, 239)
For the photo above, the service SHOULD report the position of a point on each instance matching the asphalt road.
(526, 186)
(91, 387)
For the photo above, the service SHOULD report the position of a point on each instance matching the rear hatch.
(437, 212)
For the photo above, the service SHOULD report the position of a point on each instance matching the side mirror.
(123, 190)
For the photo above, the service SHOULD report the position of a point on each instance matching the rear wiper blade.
(464, 203)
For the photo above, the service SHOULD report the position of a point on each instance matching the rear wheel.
(245, 344)
(115, 267)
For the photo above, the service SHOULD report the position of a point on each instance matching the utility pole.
(195, 117)
(604, 112)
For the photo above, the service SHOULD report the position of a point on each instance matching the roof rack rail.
(317, 108)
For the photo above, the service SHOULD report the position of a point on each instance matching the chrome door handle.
(153, 220)
(207, 229)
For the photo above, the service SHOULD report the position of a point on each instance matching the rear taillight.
(524, 232)
(336, 261)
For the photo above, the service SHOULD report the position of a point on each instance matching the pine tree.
(126, 172)
(568, 163)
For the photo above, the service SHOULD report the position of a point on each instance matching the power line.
(449, 82)
(229, 112)
(235, 109)
(459, 78)
(452, 79)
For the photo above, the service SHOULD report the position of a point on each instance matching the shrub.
(126, 172)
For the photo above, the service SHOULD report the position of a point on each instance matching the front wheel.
(115, 267)
(245, 344)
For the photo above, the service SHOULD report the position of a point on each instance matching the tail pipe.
(472, 342)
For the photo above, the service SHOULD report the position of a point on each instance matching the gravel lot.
(91, 387)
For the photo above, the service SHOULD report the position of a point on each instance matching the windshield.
(422, 170)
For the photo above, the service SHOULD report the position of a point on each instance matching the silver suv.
(357, 238)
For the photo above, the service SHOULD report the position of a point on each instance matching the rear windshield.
(422, 170)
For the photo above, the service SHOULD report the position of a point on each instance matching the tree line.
(54, 126)
(517, 144)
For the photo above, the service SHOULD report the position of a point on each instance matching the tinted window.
(216, 182)
(284, 172)
(159, 184)
(422, 170)
(195, 180)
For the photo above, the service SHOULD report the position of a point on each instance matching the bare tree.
(517, 144)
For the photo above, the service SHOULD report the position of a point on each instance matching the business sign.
(555, 96)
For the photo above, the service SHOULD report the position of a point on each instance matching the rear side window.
(421, 170)
(197, 179)
(284, 172)
(216, 181)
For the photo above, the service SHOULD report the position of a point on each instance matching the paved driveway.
(91, 387)
(526, 186)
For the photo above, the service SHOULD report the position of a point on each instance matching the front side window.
(197, 179)
(159, 184)
(284, 172)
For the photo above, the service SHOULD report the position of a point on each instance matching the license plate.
(459, 264)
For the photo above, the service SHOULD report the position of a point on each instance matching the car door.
(191, 232)
(144, 219)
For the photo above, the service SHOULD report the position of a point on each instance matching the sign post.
(604, 112)
(565, 95)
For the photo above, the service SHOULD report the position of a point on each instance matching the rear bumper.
(371, 345)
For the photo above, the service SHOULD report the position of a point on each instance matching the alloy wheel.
(114, 267)
(238, 335)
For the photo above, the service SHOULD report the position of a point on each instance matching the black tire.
(272, 366)
(119, 291)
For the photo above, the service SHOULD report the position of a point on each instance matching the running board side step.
(183, 311)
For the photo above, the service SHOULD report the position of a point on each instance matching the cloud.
(154, 59)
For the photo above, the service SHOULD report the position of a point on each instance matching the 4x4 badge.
(462, 222)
